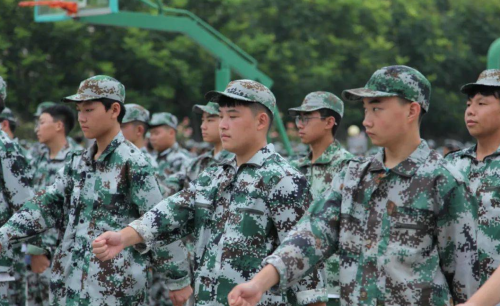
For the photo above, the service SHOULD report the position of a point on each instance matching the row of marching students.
(404, 226)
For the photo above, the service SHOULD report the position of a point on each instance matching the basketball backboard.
(85, 8)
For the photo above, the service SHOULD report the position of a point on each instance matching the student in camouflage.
(238, 210)
(8, 122)
(15, 189)
(101, 188)
(403, 221)
(481, 164)
(317, 120)
(52, 131)
(134, 127)
(171, 157)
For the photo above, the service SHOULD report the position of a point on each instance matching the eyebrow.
(232, 110)
(374, 101)
(213, 116)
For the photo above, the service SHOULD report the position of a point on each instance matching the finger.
(100, 250)
(99, 243)
(103, 256)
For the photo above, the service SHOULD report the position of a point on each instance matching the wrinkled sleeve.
(457, 241)
(38, 214)
(290, 198)
(310, 242)
(168, 258)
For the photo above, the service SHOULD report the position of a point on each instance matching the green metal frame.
(494, 55)
(230, 57)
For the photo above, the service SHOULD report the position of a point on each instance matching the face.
(210, 128)
(162, 137)
(482, 116)
(130, 131)
(238, 128)
(47, 128)
(94, 120)
(387, 120)
(312, 127)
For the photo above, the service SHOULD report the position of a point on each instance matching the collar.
(174, 147)
(325, 158)
(89, 153)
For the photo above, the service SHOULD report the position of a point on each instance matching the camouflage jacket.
(88, 198)
(238, 216)
(170, 163)
(149, 158)
(44, 174)
(321, 175)
(484, 177)
(15, 180)
(202, 162)
(406, 235)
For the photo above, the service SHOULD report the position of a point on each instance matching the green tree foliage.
(304, 45)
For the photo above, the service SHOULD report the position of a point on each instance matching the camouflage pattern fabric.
(487, 78)
(394, 81)
(406, 235)
(43, 106)
(44, 173)
(238, 216)
(150, 159)
(96, 87)
(202, 162)
(484, 177)
(15, 189)
(159, 119)
(3, 89)
(210, 108)
(170, 162)
(7, 114)
(245, 90)
(319, 100)
(135, 112)
(321, 174)
(88, 198)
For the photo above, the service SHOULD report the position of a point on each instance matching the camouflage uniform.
(484, 177)
(406, 235)
(7, 114)
(321, 173)
(172, 160)
(135, 112)
(238, 216)
(88, 198)
(15, 189)
(44, 173)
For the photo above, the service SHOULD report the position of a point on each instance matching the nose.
(367, 122)
(223, 124)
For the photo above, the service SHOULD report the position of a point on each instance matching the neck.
(400, 150)
(104, 140)
(10, 134)
(56, 145)
(139, 143)
(319, 147)
(487, 145)
(217, 147)
(250, 152)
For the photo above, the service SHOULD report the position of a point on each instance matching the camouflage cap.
(394, 81)
(319, 100)
(3, 89)
(490, 77)
(211, 108)
(7, 114)
(135, 112)
(163, 119)
(96, 87)
(245, 90)
(43, 106)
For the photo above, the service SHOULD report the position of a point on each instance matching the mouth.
(370, 134)
(471, 122)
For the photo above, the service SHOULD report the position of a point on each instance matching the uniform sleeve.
(170, 258)
(289, 200)
(310, 242)
(457, 241)
(38, 214)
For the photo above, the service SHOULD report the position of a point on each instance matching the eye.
(88, 110)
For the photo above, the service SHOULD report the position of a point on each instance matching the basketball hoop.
(71, 8)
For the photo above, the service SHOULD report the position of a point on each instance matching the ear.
(140, 130)
(414, 112)
(115, 110)
(4, 124)
(330, 123)
(59, 126)
(262, 121)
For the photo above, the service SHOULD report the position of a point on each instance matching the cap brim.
(157, 125)
(468, 87)
(357, 94)
(200, 109)
(79, 98)
(214, 96)
(295, 110)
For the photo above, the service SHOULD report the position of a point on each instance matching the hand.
(39, 263)
(108, 245)
(179, 297)
(247, 294)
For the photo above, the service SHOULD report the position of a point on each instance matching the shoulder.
(128, 153)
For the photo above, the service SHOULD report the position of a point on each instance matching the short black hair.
(2, 104)
(63, 113)
(326, 112)
(144, 125)
(484, 91)
(107, 105)
(404, 101)
(255, 107)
